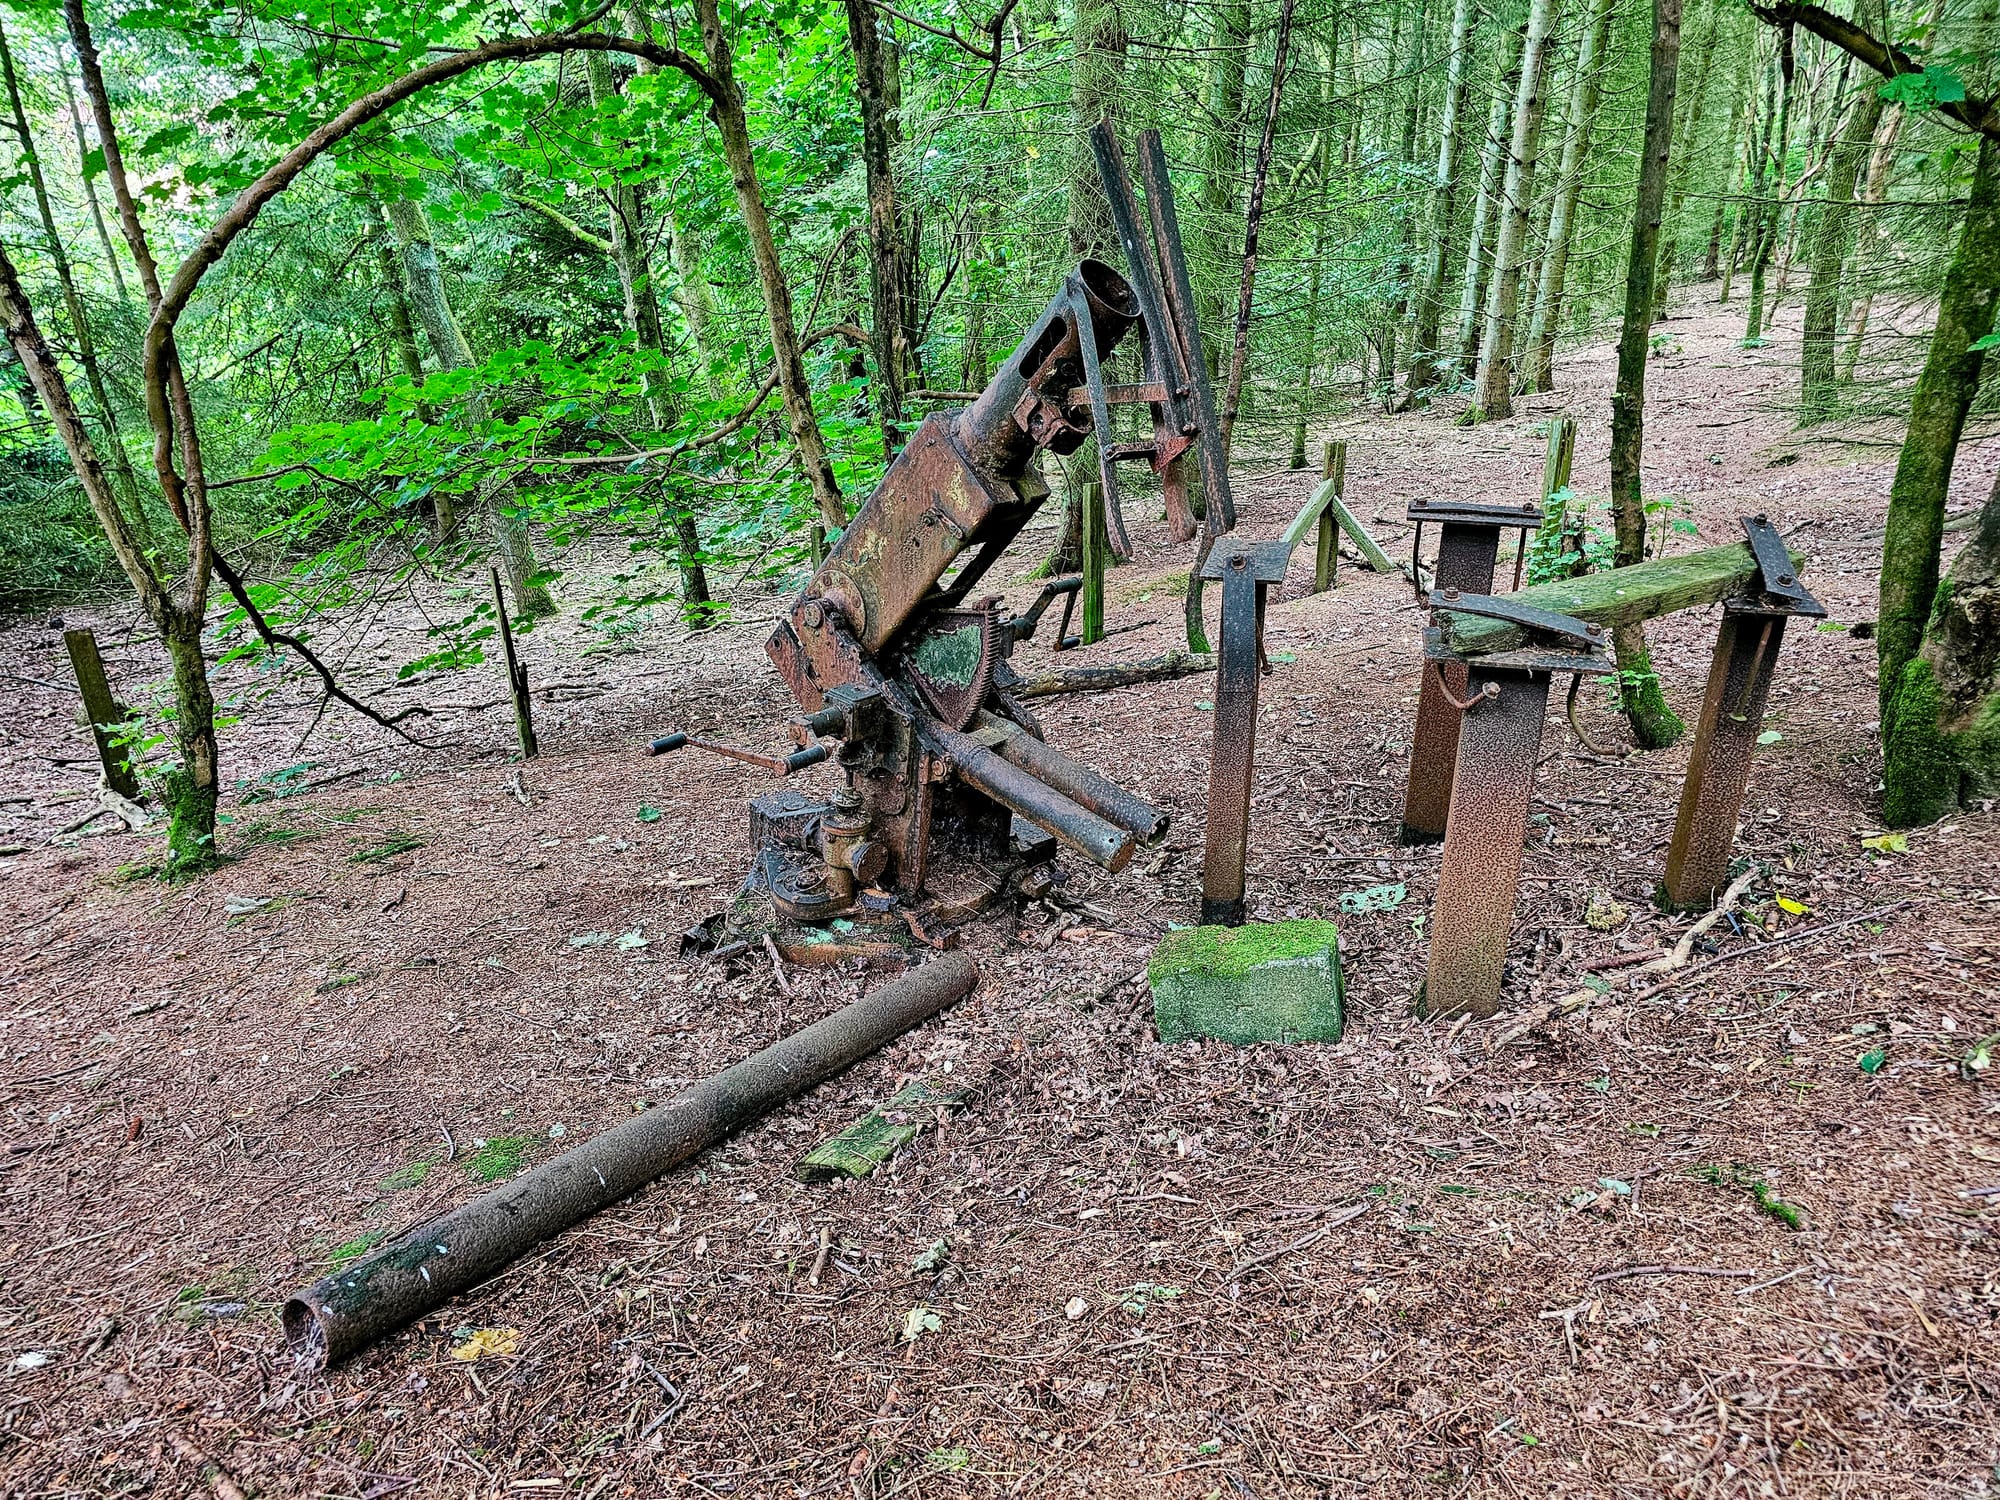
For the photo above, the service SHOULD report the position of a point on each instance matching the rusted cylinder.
(1079, 783)
(1233, 755)
(413, 1274)
(1498, 744)
(1725, 743)
(1076, 828)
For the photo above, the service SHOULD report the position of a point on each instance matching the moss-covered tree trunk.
(191, 786)
(1464, 349)
(1941, 732)
(1444, 190)
(1950, 379)
(1653, 723)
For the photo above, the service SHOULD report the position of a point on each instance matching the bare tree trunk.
(1741, 96)
(1748, 181)
(1829, 258)
(1496, 353)
(1485, 207)
(1653, 723)
(885, 270)
(1584, 97)
(1687, 135)
(1874, 236)
(734, 127)
(1222, 170)
(424, 279)
(90, 188)
(126, 481)
(1252, 222)
(1768, 208)
(642, 321)
(1444, 199)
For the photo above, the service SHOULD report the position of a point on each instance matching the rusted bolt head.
(1593, 630)
(1761, 519)
(813, 615)
(1239, 561)
(1449, 592)
(1786, 578)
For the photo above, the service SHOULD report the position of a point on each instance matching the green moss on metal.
(952, 657)
(1266, 982)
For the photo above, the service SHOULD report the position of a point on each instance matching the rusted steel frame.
(1075, 827)
(1164, 359)
(777, 765)
(1214, 463)
(1107, 456)
(415, 1273)
(1077, 782)
(1233, 757)
(1465, 561)
(1498, 745)
(1725, 744)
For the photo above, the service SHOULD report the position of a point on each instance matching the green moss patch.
(1266, 982)
(500, 1157)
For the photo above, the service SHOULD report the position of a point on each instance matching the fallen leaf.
(488, 1343)
(919, 1321)
(1794, 908)
(1374, 898)
(1888, 843)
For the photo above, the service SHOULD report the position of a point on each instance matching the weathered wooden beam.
(879, 1134)
(1117, 674)
(102, 712)
(1623, 596)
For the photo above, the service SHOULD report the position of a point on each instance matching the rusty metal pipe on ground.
(1079, 783)
(420, 1270)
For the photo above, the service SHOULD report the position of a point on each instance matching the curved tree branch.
(1891, 61)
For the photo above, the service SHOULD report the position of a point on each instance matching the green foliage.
(50, 544)
(1934, 86)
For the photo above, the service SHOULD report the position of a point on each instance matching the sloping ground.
(1680, 1243)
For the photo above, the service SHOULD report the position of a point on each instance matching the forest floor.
(1422, 1261)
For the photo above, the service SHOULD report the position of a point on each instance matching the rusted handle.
(1486, 694)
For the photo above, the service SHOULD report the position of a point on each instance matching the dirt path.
(1414, 1263)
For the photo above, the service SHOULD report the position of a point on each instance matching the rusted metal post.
(517, 675)
(1468, 549)
(408, 1277)
(1090, 498)
(101, 711)
(1718, 774)
(1499, 740)
(1246, 569)
(1326, 560)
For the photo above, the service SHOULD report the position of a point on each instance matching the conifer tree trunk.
(1687, 135)
(1485, 207)
(1829, 257)
(90, 188)
(642, 321)
(1740, 98)
(1222, 150)
(1873, 239)
(123, 477)
(1496, 351)
(1748, 180)
(1444, 198)
(1653, 723)
(1769, 206)
(1950, 379)
(885, 271)
(1585, 95)
(424, 279)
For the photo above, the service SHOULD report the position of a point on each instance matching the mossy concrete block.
(1267, 982)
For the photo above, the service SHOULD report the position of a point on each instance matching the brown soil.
(1418, 1262)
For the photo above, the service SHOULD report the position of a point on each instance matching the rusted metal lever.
(777, 765)
(1465, 705)
(1023, 626)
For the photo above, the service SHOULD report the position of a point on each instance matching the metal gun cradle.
(900, 667)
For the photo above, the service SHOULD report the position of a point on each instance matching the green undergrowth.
(1759, 1190)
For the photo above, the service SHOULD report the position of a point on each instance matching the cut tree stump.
(879, 1134)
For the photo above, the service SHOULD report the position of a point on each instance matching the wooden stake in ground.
(1090, 501)
(517, 675)
(1326, 559)
(102, 711)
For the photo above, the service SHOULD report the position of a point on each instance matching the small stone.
(1265, 982)
(1076, 1309)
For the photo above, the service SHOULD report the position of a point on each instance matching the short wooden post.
(103, 711)
(817, 541)
(1090, 498)
(517, 675)
(1561, 454)
(1326, 562)
(1549, 542)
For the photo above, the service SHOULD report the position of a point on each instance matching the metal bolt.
(1761, 519)
(1593, 630)
(1449, 593)
(813, 615)
(1786, 578)
(1239, 561)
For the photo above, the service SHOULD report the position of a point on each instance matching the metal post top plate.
(1523, 659)
(1475, 513)
(1265, 561)
(1779, 591)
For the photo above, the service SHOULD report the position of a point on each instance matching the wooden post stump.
(517, 675)
(1090, 496)
(1326, 561)
(103, 712)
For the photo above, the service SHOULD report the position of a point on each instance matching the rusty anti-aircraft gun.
(900, 669)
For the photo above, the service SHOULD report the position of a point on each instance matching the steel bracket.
(1779, 590)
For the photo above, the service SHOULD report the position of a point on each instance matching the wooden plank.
(101, 711)
(1623, 596)
(1326, 556)
(879, 1134)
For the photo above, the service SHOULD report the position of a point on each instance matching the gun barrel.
(1075, 827)
(1077, 782)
